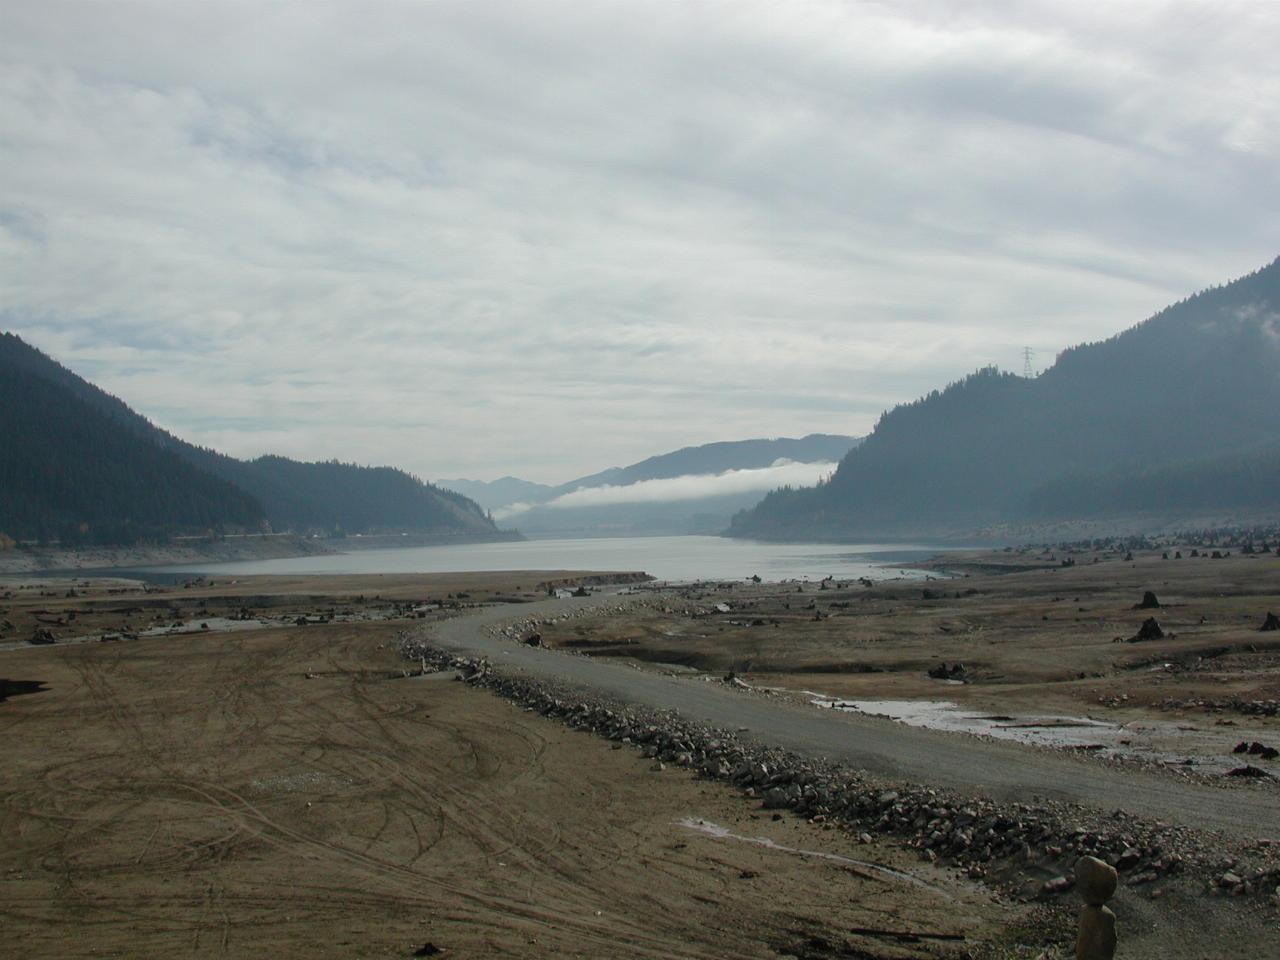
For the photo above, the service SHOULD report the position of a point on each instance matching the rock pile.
(42, 635)
(517, 630)
(1255, 708)
(942, 672)
(1012, 844)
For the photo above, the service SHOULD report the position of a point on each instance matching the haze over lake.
(667, 558)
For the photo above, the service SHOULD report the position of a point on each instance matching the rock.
(1230, 880)
(1096, 880)
(1129, 859)
(776, 798)
(1249, 771)
(1149, 602)
(42, 635)
(1271, 623)
(1097, 937)
(942, 672)
(1055, 886)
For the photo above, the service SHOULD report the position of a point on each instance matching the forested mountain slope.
(69, 472)
(719, 457)
(1179, 413)
(138, 463)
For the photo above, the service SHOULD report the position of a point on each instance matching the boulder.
(1271, 623)
(1149, 602)
(776, 799)
(1096, 880)
(42, 635)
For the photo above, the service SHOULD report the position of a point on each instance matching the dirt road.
(276, 794)
(882, 746)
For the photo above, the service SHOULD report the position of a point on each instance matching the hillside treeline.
(1180, 413)
(77, 465)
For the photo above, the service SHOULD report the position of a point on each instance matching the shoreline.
(50, 560)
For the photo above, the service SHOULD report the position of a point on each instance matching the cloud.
(462, 237)
(700, 486)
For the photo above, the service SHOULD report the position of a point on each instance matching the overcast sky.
(537, 238)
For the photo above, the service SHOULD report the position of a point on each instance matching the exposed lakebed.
(1139, 739)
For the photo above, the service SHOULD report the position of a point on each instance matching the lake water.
(666, 558)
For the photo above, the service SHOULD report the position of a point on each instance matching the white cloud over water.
(537, 237)
(700, 486)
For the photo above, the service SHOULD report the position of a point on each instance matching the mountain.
(691, 490)
(492, 494)
(1178, 414)
(69, 472)
(712, 458)
(76, 458)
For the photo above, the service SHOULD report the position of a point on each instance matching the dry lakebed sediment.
(289, 766)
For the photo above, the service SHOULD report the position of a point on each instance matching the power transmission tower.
(1027, 354)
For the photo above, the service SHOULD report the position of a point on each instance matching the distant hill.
(492, 494)
(68, 472)
(718, 457)
(1179, 413)
(78, 459)
(674, 508)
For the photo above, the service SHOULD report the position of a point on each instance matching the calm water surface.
(667, 558)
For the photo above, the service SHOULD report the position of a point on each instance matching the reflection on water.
(667, 558)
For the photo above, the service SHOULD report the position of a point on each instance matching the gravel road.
(999, 770)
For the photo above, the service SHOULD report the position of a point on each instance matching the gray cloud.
(537, 238)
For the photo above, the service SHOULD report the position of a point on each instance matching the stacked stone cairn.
(1096, 881)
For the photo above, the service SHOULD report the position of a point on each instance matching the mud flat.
(1036, 652)
(289, 792)
(30, 560)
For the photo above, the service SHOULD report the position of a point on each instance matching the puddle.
(1057, 731)
(1135, 739)
(706, 827)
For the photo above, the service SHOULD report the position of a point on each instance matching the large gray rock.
(776, 799)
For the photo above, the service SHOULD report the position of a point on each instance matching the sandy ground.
(287, 793)
(74, 609)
